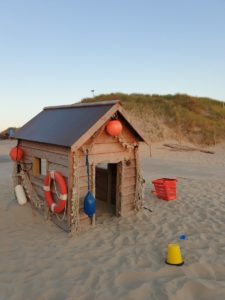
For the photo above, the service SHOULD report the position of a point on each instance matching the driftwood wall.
(106, 149)
(102, 149)
(57, 159)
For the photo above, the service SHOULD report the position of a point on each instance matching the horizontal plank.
(125, 191)
(106, 148)
(107, 158)
(46, 147)
(39, 181)
(129, 199)
(83, 184)
(56, 167)
(39, 190)
(130, 164)
(104, 137)
(125, 207)
(110, 157)
(82, 171)
(27, 159)
(83, 192)
(51, 157)
(129, 172)
(130, 181)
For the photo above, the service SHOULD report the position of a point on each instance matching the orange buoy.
(16, 153)
(114, 127)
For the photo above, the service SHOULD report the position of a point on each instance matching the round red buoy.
(114, 127)
(16, 153)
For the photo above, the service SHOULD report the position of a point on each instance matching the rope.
(75, 216)
(38, 203)
(139, 193)
(122, 141)
(88, 171)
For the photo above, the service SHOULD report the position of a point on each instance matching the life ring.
(58, 178)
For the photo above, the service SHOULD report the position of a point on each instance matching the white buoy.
(20, 195)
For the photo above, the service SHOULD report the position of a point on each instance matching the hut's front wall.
(57, 158)
(106, 149)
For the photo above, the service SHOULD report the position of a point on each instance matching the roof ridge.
(83, 104)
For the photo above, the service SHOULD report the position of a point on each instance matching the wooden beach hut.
(59, 139)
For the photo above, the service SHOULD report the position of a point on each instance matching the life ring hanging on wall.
(58, 178)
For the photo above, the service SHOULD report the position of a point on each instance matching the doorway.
(107, 190)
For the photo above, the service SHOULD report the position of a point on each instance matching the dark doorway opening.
(106, 190)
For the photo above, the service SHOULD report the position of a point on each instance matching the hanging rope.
(75, 217)
(33, 196)
(88, 171)
(139, 193)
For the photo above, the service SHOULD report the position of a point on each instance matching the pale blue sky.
(55, 52)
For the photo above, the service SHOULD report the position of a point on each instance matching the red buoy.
(16, 153)
(114, 127)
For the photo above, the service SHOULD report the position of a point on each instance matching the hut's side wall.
(106, 149)
(57, 159)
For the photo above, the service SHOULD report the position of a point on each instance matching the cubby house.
(58, 139)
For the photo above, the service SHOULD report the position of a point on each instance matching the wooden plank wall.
(57, 157)
(106, 149)
(128, 187)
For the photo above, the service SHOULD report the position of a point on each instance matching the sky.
(55, 52)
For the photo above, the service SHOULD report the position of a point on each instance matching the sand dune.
(122, 258)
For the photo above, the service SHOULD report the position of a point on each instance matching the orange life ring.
(60, 206)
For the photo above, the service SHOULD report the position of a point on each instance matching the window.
(40, 166)
(44, 167)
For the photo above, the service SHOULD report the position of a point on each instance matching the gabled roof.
(70, 125)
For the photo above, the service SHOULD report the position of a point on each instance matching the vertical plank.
(36, 166)
(118, 189)
(70, 187)
(109, 190)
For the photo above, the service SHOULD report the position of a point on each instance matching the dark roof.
(63, 125)
(66, 125)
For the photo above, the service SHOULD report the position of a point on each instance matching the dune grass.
(180, 116)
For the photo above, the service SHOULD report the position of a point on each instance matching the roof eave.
(83, 104)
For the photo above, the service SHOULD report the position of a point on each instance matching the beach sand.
(122, 258)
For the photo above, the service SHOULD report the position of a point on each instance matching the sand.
(122, 258)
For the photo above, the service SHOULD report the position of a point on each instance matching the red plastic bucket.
(165, 188)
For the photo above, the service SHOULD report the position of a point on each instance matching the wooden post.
(93, 220)
(118, 189)
(70, 187)
(109, 189)
(93, 190)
